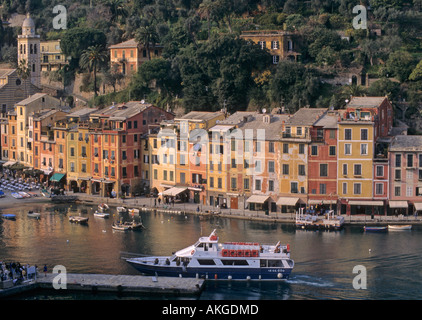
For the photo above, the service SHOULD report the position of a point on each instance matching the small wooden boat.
(375, 229)
(399, 227)
(78, 219)
(103, 206)
(133, 225)
(9, 216)
(24, 194)
(119, 227)
(121, 209)
(33, 214)
(101, 214)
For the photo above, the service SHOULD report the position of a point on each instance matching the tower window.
(33, 67)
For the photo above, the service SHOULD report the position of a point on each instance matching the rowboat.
(35, 215)
(9, 216)
(16, 195)
(375, 229)
(119, 227)
(101, 214)
(78, 219)
(399, 227)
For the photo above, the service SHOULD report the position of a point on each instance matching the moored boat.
(78, 219)
(209, 259)
(119, 227)
(121, 209)
(101, 214)
(399, 227)
(375, 229)
(16, 195)
(9, 216)
(33, 214)
(103, 206)
(133, 211)
(133, 225)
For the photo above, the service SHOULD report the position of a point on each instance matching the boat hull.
(375, 229)
(234, 273)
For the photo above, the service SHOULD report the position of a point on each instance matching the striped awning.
(398, 204)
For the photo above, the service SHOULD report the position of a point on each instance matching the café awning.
(398, 204)
(174, 191)
(287, 201)
(257, 199)
(418, 206)
(57, 177)
(322, 201)
(9, 163)
(366, 203)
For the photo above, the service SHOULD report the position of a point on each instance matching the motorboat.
(103, 206)
(78, 219)
(133, 225)
(133, 211)
(211, 260)
(33, 214)
(119, 227)
(101, 214)
(9, 216)
(121, 209)
(399, 227)
(375, 229)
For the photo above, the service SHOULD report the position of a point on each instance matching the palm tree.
(147, 36)
(91, 58)
(206, 9)
(117, 8)
(23, 72)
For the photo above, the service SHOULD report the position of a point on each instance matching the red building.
(322, 163)
(117, 147)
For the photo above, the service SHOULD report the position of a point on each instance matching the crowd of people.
(16, 272)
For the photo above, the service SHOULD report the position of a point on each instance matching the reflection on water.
(324, 261)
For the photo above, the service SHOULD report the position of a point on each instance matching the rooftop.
(307, 116)
(125, 44)
(365, 102)
(406, 143)
(200, 116)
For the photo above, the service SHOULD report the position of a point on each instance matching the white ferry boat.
(226, 261)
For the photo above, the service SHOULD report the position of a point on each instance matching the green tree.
(91, 59)
(23, 72)
(117, 8)
(416, 73)
(76, 40)
(147, 36)
(400, 65)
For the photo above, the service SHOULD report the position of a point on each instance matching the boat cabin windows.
(206, 262)
(204, 245)
(271, 263)
(234, 262)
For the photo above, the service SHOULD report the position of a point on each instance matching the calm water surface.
(324, 261)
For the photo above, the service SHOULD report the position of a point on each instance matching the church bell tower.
(29, 49)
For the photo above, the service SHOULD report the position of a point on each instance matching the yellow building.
(52, 57)
(281, 44)
(83, 157)
(293, 149)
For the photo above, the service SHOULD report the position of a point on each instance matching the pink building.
(405, 154)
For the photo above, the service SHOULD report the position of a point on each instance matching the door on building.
(233, 203)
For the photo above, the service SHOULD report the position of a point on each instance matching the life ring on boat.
(192, 252)
(232, 253)
(225, 253)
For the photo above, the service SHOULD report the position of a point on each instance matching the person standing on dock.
(45, 270)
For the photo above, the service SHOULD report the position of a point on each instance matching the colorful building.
(362, 127)
(405, 194)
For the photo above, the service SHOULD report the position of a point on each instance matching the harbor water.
(348, 264)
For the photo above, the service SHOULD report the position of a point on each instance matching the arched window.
(31, 50)
(33, 67)
(20, 49)
(35, 48)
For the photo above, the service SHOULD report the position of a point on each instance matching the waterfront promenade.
(204, 210)
(144, 203)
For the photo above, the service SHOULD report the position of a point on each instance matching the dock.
(119, 284)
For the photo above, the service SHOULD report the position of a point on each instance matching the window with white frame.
(347, 149)
(364, 149)
(379, 188)
(380, 171)
(357, 169)
(344, 187)
(357, 188)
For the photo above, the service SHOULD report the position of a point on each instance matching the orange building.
(129, 55)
